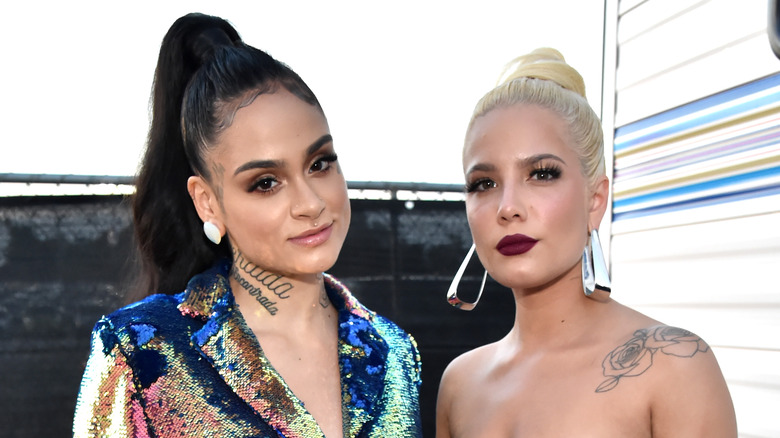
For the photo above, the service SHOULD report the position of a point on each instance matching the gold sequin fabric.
(188, 366)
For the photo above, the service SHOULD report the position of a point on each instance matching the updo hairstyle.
(543, 78)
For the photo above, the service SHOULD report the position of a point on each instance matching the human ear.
(205, 201)
(599, 201)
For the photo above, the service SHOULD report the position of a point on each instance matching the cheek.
(337, 203)
(251, 216)
(480, 215)
(347, 212)
(559, 209)
(568, 205)
(336, 197)
(565, 216)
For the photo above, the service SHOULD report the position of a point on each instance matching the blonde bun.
(543, 78)
(544, 63)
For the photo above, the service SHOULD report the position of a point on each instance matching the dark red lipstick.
(515, 244)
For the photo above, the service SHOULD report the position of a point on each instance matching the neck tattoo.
(324, 301)
(273, 282)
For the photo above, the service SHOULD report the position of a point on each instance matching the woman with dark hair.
(576, 363)
(240, 207)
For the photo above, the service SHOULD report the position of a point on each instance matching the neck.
(557, 314)
(270, 298)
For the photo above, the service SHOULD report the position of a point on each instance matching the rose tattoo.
(636, 356)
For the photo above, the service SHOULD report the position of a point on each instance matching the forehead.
(276, 113)
(516, 131)
(271, 125)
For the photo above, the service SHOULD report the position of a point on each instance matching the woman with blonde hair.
(576, 362)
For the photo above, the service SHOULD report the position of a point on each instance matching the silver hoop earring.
(595, 274)
(452, 293)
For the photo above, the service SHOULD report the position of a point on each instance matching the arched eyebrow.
(533, 159)
(317, 145)
(525, 162)
(480, 167)
(274, 164)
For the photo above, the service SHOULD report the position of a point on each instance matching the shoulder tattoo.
(636, 356)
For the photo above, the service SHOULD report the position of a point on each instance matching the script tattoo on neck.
(273, 282)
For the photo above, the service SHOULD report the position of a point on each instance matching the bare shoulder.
(644, 347)
(457, 379)
(464, 372)
(465, 366)
(680, 377)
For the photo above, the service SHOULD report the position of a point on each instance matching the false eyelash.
(328, 158)
(256, 184)
(553, 170)
(474, 186)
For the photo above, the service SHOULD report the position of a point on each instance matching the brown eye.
(322, 164)
(319, 166)
(480, 185)
(265, 185)
(546, 174)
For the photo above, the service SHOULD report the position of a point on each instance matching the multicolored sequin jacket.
(189, 366)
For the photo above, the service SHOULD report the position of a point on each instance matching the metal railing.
(389, 187)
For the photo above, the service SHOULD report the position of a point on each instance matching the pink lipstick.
(515, 244)
(314, 237)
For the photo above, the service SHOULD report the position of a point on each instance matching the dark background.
(64, 262)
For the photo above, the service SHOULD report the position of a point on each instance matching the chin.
(514, 280)
(325, 263)
(322, 264)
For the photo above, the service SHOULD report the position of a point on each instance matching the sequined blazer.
(188, 365)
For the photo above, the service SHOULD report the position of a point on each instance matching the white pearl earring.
(212, 232)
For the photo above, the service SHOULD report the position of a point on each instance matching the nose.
(511, 206)
(307, 203)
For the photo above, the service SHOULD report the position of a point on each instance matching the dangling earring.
(212, 232)
(595, 274)
(452, 293)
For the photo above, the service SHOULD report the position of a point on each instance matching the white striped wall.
(695, 230)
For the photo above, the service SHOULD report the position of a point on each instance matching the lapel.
(362, 360)
(235, 353)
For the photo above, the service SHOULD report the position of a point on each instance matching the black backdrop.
(64, 263)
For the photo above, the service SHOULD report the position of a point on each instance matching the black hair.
(204, 74)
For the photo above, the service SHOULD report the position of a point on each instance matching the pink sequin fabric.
(189, 366)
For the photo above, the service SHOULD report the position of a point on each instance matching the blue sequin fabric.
(188, 366)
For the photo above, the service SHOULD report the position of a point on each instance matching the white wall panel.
(754, 388)
(684, 38)
(709, 278)
(648, 15)
(627, 5)
(695, 225)
(727, 67)
(672, 52)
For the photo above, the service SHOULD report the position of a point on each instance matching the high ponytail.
(204, 73)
